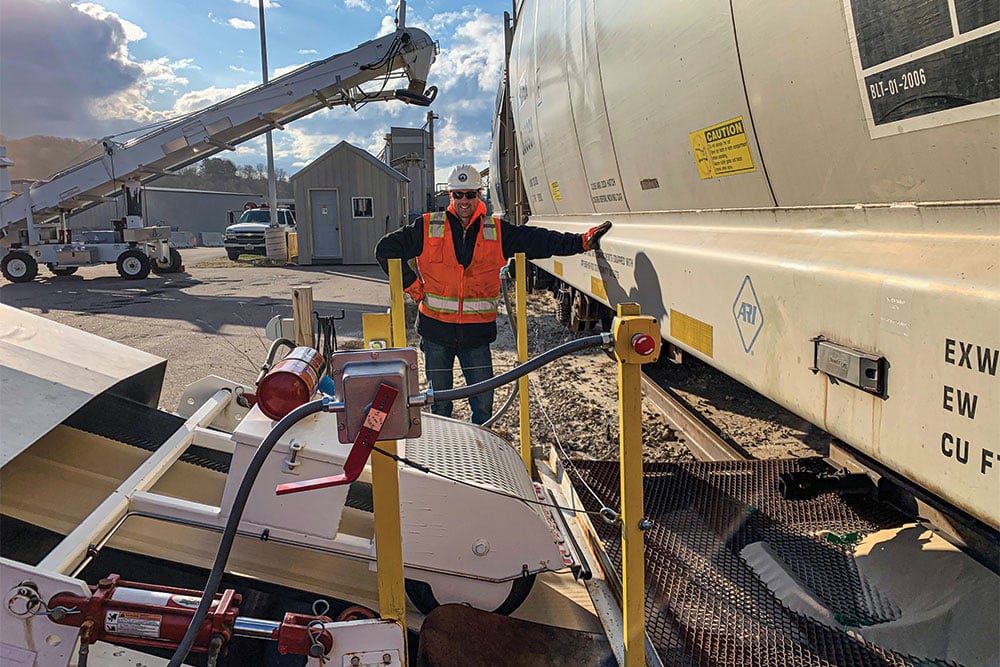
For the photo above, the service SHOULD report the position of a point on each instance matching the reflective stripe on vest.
(480, 305)
(490, 229)
(440, 304)
(435, 229)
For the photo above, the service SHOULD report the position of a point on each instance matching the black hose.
(270, 357)
(235, 514)
(511, 319)
(498, 380)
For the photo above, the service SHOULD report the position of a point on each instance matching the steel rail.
(703, 439)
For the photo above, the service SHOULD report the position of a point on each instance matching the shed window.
(363, 207)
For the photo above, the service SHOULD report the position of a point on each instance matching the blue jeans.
(477, 365)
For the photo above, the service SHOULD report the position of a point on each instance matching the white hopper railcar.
(805, 194)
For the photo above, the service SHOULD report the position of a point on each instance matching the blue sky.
(91, 69)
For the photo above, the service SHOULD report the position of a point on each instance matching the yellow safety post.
(396, 303)
(637, 341)
(521, 308)
(385, 476)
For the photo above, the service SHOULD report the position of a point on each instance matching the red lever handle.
(360, 450)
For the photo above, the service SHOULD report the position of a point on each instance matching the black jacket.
(408, 242)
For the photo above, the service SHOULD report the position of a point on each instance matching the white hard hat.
(465, 177)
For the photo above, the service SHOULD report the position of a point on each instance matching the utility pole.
(277, 249)
(429, 196)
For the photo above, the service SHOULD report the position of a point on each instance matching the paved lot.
(207, 320)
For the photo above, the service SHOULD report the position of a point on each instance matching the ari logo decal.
(749, 317)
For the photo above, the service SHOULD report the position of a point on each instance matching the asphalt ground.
(208, 319)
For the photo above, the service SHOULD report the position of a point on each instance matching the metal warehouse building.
(345, 201)
(192, 214)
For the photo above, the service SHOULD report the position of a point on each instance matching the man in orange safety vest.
(459, 253)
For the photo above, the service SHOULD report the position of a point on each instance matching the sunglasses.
(466, 195)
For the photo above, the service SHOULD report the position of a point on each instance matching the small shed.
(345, 201)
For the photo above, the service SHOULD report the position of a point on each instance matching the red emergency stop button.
(643, 344)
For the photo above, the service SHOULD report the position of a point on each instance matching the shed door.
(325, 224)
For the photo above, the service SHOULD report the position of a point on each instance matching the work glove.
(416, 290)
(592, 237)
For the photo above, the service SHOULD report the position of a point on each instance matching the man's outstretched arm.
(404, 243)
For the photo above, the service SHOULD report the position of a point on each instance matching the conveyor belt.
(705, 606)
(140, 426)
(147, 428)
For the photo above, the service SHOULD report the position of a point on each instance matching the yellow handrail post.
(385, 475)
(637, 341)
(396, 303)
(521, 308)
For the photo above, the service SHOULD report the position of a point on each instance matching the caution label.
(722, 150)
(554, 189)
(132, 624)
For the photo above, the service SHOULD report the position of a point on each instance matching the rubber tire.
(133, 265)
(233, 254)
(62, 270)
(24, 270)
(356, 613)
(173, 266)
(422, 595)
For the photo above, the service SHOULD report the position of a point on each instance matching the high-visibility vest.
(452, 292)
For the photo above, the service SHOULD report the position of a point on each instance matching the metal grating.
(473, 455)
(705, 606)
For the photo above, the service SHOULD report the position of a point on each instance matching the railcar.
(805, 195)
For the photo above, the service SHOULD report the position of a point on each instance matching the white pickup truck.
(246, 236)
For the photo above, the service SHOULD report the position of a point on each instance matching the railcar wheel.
(19, 267)
(500, 598)
(62, 270)
(133, 265)
(172, 265)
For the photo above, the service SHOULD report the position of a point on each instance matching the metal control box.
(858, 369)
(75, 256)
(357, 376)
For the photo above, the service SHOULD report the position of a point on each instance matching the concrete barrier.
(181, 240)
(211, 239)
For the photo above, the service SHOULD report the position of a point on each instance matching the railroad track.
(706, 441)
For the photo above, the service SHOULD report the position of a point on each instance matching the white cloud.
(199, 99)
(388, 26)
(451, 138)
(301, 146)
(242, 24)
(476, 50)
(163, 71)
(241, 70)
(278, 71)
(133, 33)
(268, 4)
(308, 52)
(358, 4)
